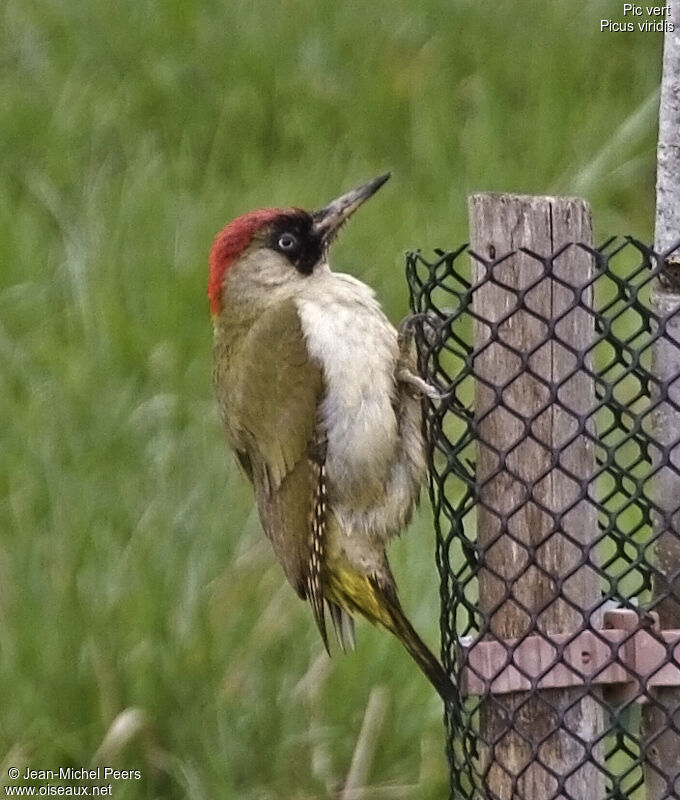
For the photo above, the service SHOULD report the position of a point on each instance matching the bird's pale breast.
(349, 335)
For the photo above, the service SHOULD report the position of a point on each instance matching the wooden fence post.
(661, 719)
(532, 523)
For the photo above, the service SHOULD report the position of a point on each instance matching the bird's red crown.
(230, 242)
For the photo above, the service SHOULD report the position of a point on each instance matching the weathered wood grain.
(533, 520)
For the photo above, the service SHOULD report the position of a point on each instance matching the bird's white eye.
(287, 241)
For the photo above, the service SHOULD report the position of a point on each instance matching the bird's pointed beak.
(329, 220)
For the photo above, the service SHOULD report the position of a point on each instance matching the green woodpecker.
(321, 407)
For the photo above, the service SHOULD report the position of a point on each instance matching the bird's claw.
(422, 387)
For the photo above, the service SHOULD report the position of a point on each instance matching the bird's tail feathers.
(422, 655)
(378, 602)
(343, 625)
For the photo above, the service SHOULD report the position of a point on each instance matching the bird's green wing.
(276, 403)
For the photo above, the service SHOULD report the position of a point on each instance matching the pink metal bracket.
(626, 657)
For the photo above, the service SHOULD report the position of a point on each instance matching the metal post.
(533, 525)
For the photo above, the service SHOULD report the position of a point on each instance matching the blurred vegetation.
(143, 623)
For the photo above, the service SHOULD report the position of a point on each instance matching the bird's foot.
(422, 387)
(405, 372)
(406, 330)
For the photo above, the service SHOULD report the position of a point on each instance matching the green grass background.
(134, 578)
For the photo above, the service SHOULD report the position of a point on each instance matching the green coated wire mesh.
(452, 335)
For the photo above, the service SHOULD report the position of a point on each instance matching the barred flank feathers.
(318, 530)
